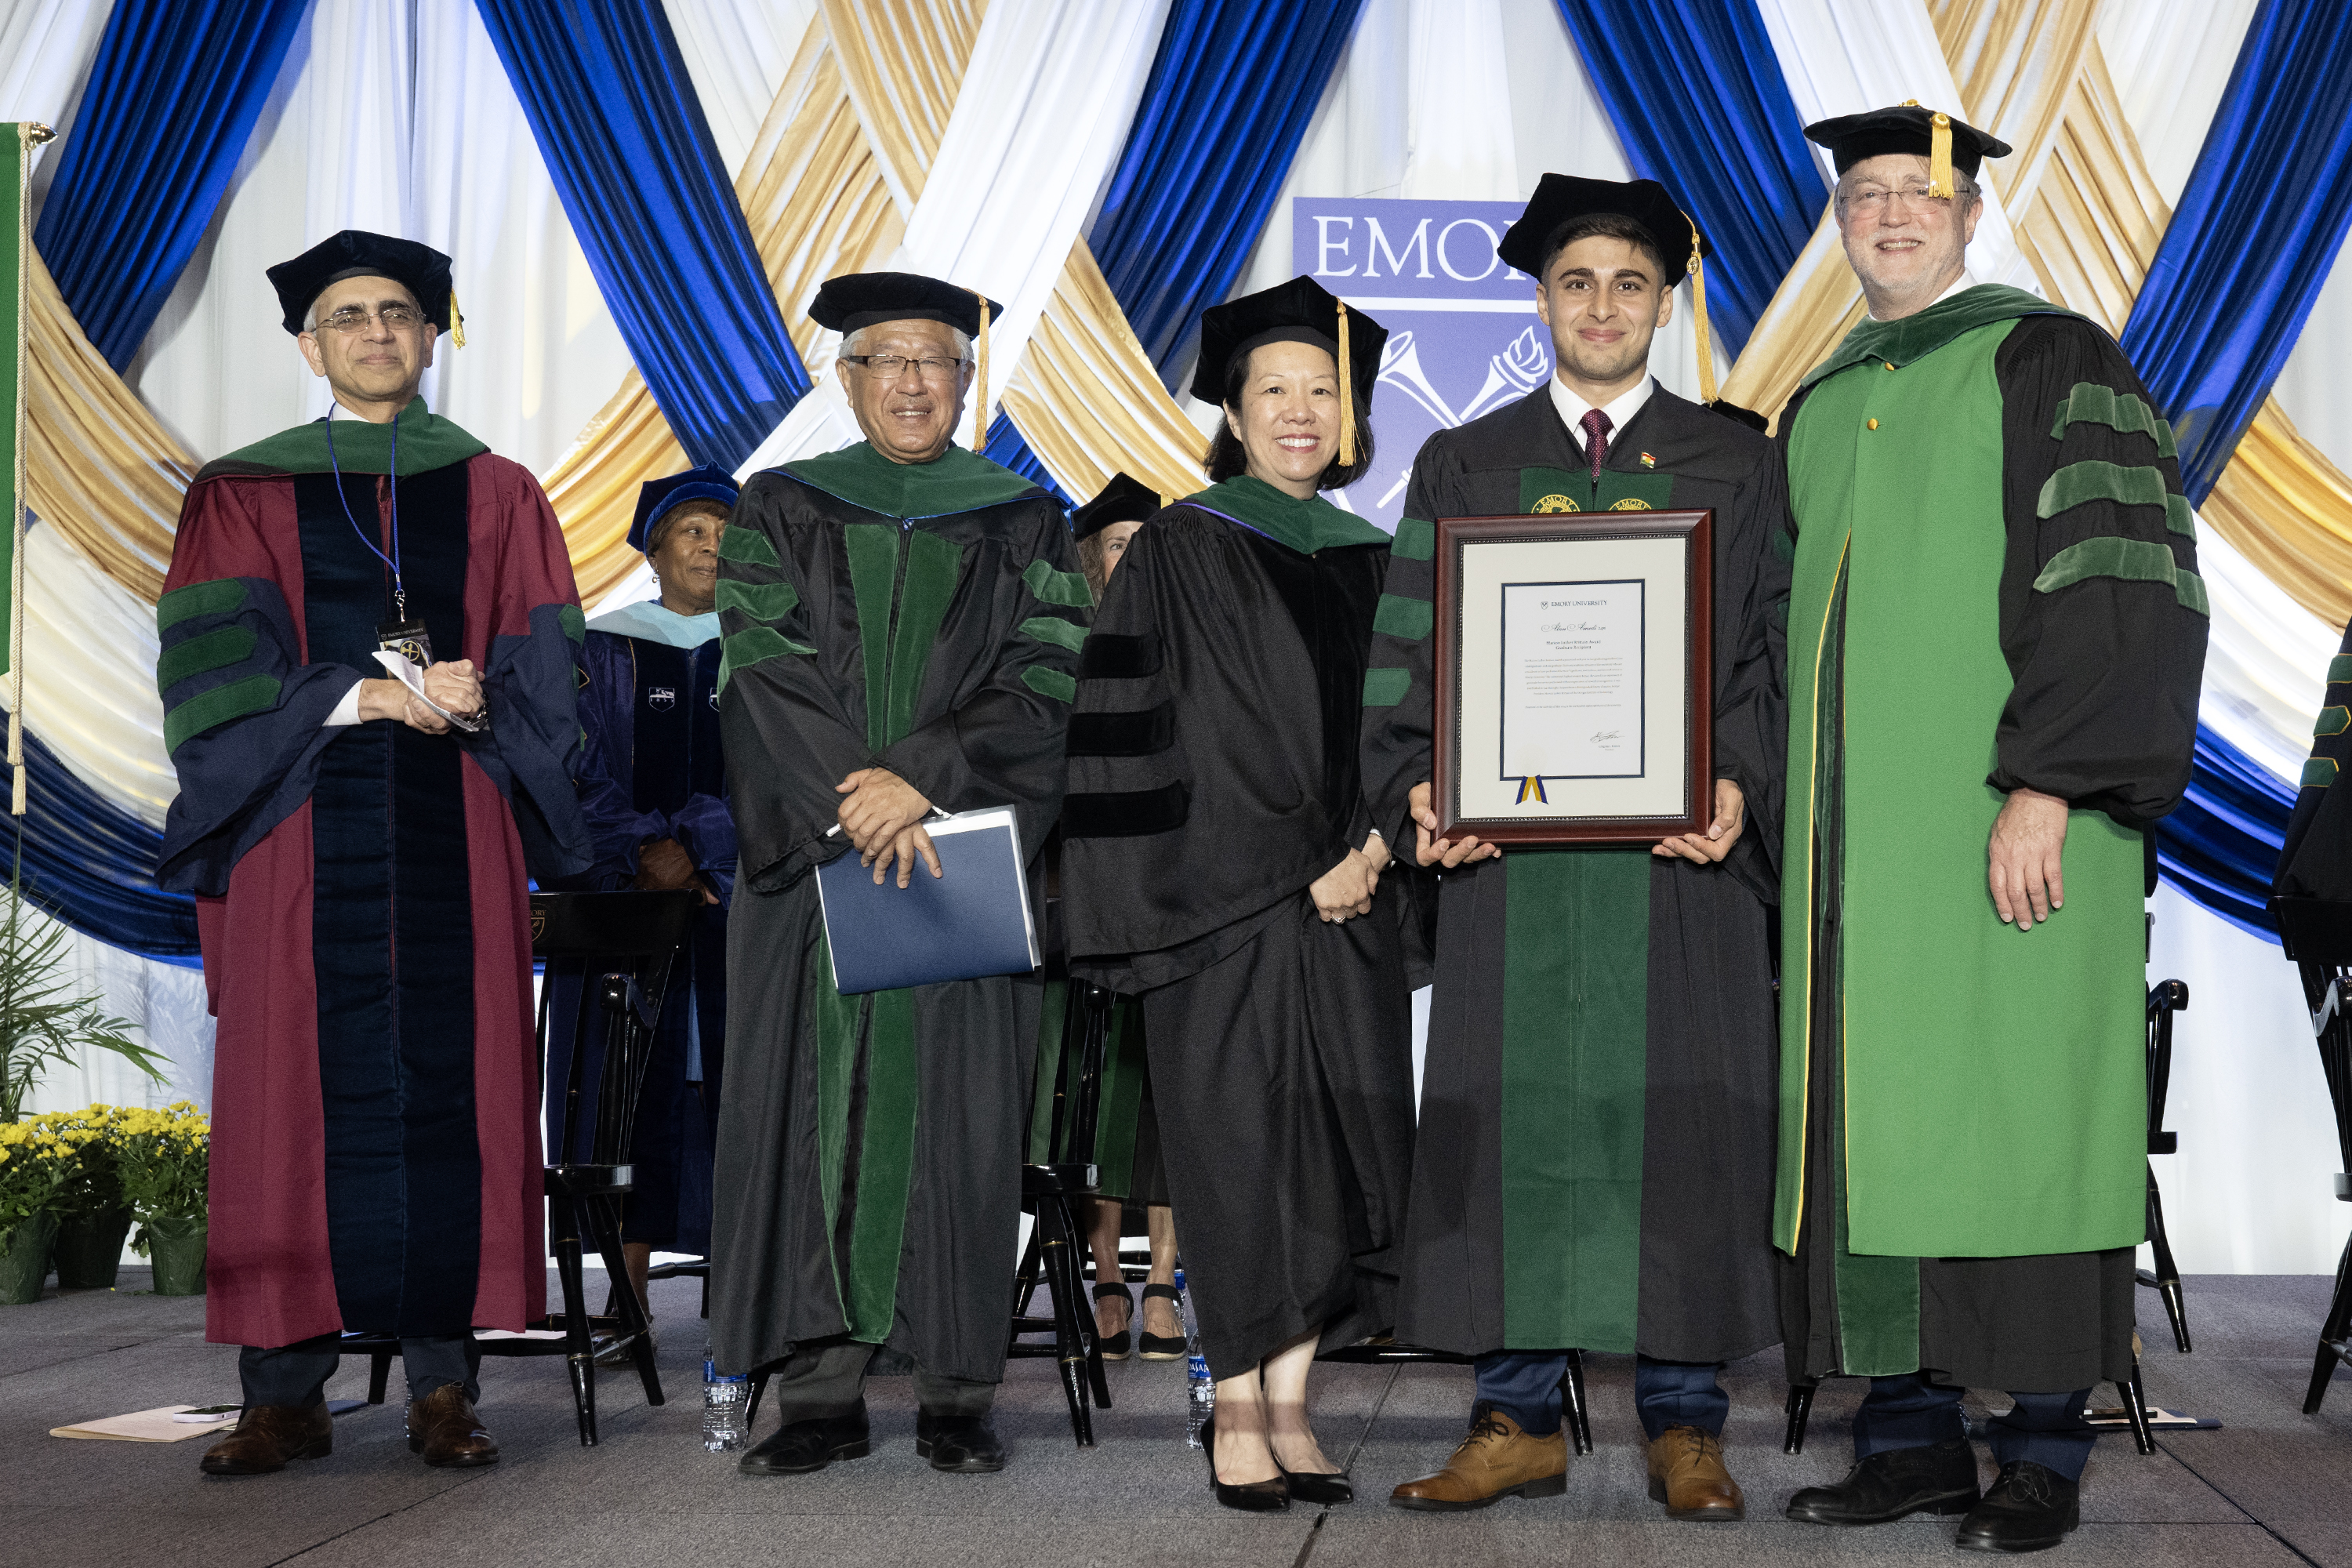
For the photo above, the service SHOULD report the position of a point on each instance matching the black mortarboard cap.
(1907, 128)
(1124, 500)
(355, 253)
(1559, 198)
(857, 300)
(656, 497)
(1299, 311)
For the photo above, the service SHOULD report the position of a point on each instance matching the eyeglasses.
(890, 367)
(1875, 198)
(353, 318)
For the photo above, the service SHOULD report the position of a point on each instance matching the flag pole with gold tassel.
(29, 135)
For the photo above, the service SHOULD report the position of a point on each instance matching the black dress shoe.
(1320, 1487)
(966, 1445)
(1939, 1478)
(2030, 1509)
(1250, 1497)
(799, 1446)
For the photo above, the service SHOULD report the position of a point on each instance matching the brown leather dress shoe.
(444, 1428)
(1686, 1474)
(1495, 1461)
(267, 1437)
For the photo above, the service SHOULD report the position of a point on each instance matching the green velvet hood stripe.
(1402, 617)
(254, 694)
(748, 545)
(2093, 402)
(762, 601)
(1416, 539)
(956, 481)
(1058, 587)
(1917, 337)
(217, 597)
(1055, 630)
(1306, 526)
(2128, 560)
(214, 650)
(1386, 688)
(427, 442)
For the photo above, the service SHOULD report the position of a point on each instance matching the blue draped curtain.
(1006, 446)
(616, 118)
(2221, 846)
(92, 865)
(1699, 105)
(1229, 97)
(175, 89)
(2253, 237)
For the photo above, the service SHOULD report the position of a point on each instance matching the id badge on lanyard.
(409, 639)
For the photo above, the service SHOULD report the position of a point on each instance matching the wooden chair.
(620, 947)
(2317, 935)
(2164, 999)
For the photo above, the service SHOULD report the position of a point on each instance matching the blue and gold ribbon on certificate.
(1531, 788)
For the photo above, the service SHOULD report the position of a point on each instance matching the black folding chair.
(2164, 999)
(1046, 1194)
(2317, 935)
(622, 948)
(2134, 1395)
(1378, 1352)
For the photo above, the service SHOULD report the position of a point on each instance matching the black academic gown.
(1595, 1159)
(1213, 777)
(926, 620)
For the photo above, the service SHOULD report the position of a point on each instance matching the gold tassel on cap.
(1699, 318)
(456, 321)
(1347, 396)
(979, 378)
(1939, 150)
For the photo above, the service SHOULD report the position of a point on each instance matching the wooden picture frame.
(1566, 618)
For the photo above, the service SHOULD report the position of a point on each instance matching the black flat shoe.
(2030, 1509)
(1115, 1346)
(964, 1445)
(797, 1448)
(1324, 1487)
(1940, 1479)
(1250, 1497)
(1161, 1347)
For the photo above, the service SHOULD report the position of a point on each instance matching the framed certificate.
(1574, 677)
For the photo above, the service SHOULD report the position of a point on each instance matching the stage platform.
(2270, 1487)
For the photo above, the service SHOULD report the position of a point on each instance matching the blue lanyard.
(392, 562)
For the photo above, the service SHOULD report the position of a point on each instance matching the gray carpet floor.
(2271, 1487)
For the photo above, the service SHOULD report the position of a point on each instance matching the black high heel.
(1161, 1347)
(1250, 1497)
(1324, 1487)
(1115, 1346)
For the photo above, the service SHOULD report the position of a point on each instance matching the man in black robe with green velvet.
(900, 623)
(1595, 1162)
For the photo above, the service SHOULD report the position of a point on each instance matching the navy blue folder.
(971, 921)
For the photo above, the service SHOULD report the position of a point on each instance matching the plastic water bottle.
(1200, 1388)
(725, 1402)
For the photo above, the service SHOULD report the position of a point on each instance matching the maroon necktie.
(1596, 439)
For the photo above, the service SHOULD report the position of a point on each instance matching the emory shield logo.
(661, 698)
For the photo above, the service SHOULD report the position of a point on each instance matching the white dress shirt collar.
(1572, 408)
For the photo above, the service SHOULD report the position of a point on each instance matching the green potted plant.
(93, 1216)
(42, 1023)
(165, 1159)
(35, 1162)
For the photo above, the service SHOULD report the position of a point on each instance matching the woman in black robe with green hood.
(1219, 860)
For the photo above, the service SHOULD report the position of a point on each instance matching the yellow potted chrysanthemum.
(165, 1159)
(34, 1163)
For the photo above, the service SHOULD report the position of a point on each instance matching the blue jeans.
(296, 1374)
(1524, 1385)
(1909, 1412)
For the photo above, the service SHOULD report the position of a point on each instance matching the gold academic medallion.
(1555, 503)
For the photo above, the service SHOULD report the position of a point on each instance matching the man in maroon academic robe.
(358, 853)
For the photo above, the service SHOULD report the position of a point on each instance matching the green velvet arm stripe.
(2339, 668)
(2078, 484)
(2333, 721)
(1055, 630)
(2091, 403)
(574, 623)
(209, 710)
(1058, 587)
(216, 649)
(2129, 560)
(761, 601)
(1059, 685)
(748, 545)
(749, 647)
(1416, 539)
(2319, 772)
(217, 597)
(1386, 688)
(1402, 617)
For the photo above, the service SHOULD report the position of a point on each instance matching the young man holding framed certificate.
(1595, 1159)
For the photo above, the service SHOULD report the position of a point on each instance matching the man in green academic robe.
(1995, 637)
(1595, 1169)
(900, 623)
